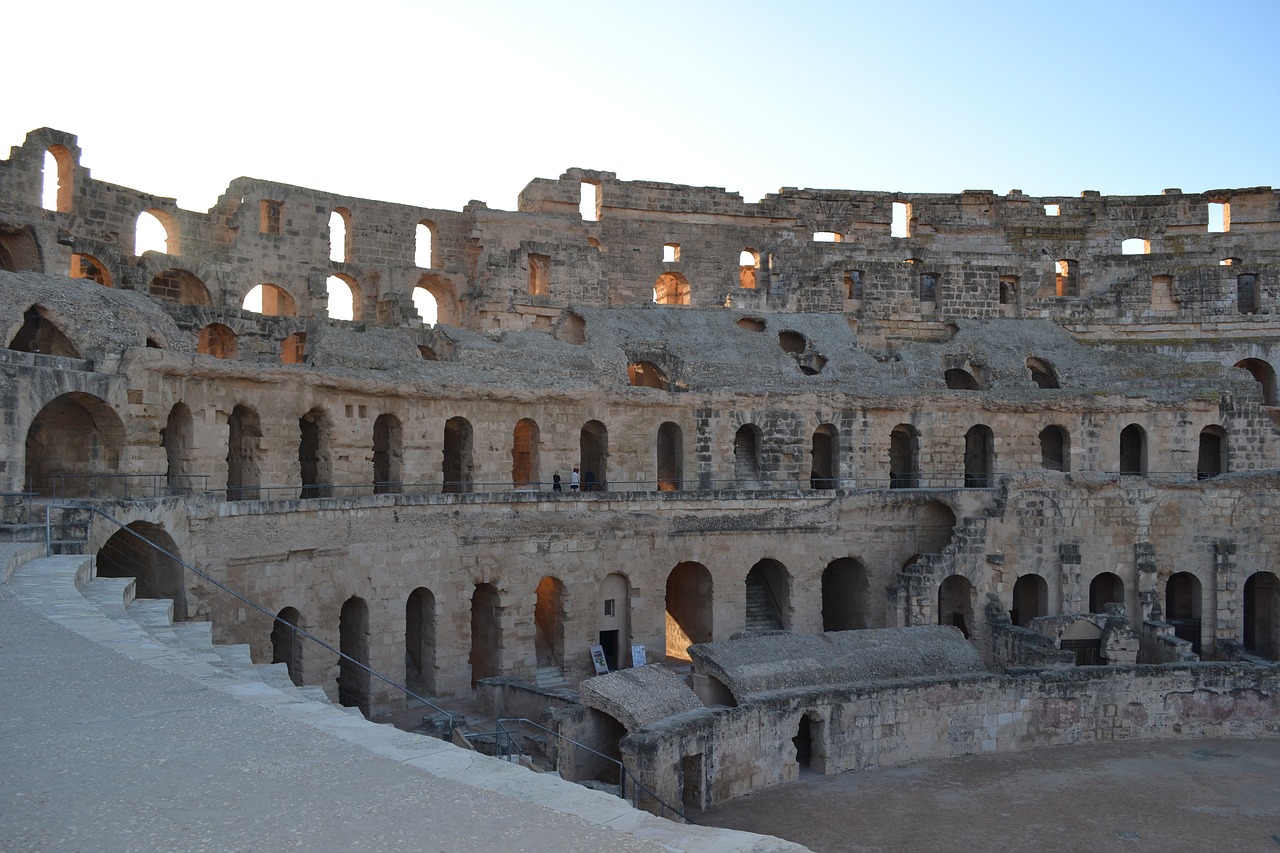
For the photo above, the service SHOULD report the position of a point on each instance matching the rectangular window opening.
(272, 212)
(589, 205)
(671, 253)
(608, 606)
(539, 275)
(901, 223)
(1053, 210)
(1219, 217)
(827, 237)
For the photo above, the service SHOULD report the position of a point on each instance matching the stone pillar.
(703, 457)
(1228, 629)
(1144, 563)
(1073, 601)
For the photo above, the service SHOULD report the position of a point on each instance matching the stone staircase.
(550, 678)
(761, 615)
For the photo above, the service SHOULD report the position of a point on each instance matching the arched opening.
(671, 289)
(57, 190)
(803, 742)
(176, 438)
(314, 465)
(1133, 451)
(271, 300)
(434, 300)
(644, 374)
(147, 553)
(844, 596)
(904, 457)
(1211, 460)
(960, 380)
(19, 251)
(486, 633)
(340, 237)
(244, 454)
(1055, 449)
(458, 464)
(1042, 373)
(73, 447)
(539, 274)
(1135, 246)
(746, 457)
(979, 457)
(688, 608)
(41, 335)
(90, 268)
(286, 642)
(420, 641)
(1265, 375)
(1030, 599)
(353, 640)
(792, 342)
(589, 202)
(1105, 588)
(824, 468)
(424, 246)
(748, 263)
(218, 341)
(934, 524)
(548, 619)
(593, 446)
(387, 455)
(293, 349)
(152, 234)
(768, 597)
(179, 287)
(955, 603)
(670, 457)
(1066, 278)
(343, 297)
(1182, 607)
(1261, 629)
(525, 462)
(614, 630)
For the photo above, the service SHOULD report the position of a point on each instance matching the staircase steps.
(760, 612)
(550, 678)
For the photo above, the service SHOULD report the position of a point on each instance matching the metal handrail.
(152, 484)
(245, 600)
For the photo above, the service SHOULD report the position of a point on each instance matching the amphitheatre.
(868, 478)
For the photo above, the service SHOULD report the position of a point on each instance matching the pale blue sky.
(435, 104)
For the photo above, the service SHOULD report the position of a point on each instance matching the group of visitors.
(577, 480)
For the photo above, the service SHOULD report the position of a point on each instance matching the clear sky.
(438, 103)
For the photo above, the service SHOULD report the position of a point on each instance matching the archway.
(218, 341)
(670, 457)
(1133, 451)
(955, 603)
(314, 465)
(39, 334)
(73, 448)
(904, 457)
(934, 526)
(176, 437)
(1264, 374)
(746, 457)
(824, 470)
(147, 553)
(286, 642)
(1055, 449)
(486, 633)
(271, 300)
(244, 454)
(979, 457)
(614, 629)
(549, 618)
(179, 287)
(1261, 593)
(593, 449)
(768, 597)
(353, 639)
(420, 641)
(1030, 599)
(387, 455)
(688, 608)
(1105, 588)
(844, 596)
(1211, 459)
(671, 288)
(1182, 607)
(457, 459)
(525, 461)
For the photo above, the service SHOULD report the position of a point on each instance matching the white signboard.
(638, 656)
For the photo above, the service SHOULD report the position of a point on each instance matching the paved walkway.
(1157, 796)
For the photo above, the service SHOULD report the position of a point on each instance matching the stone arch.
(1042, 373)
(935, 525)
(671, 288)
(1264, 374)
(1030, 599)
(688, 606)
(979, 457)
(91, 269)
(1262, 614)
(768, 587)
(958, 379)
(64, 164)
(424, 248)
(525, 455)
(1055, 448)
(293, 349)
(286, 642)
(341, 238)
(1105, 588)
(824, 470)
(388, 455)
(179, 287)
(177, 438)
(19, 251)
(343, 298)
(150, 224)
(147, 553)
(244, 453)
(646, 374)
(844, 596)
(353, 642)
(274, 301)
(904, 457)
(550, 607)
(486, 633)
(315, 467)
(1182, 607)
(218, 341)
(420, 641)
(614, 628)
(440, 291)
(1133, 451)
(1211, 456)
(40, 334)
(670, 457)
(74, 440)
(955, 603)
(458, 463)
(593, 447)
(746, 457)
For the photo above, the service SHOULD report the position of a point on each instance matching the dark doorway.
(353, 638)
(1182, 607)
(844, 596)
(1133, 451)
(486, 632)
(1030, 599)
(594, 454)
(609, 642)
(387, 455)
(286, 642)
(457, 463)
(904, 456)
(1106, 588)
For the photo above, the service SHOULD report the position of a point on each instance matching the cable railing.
(120, 486)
